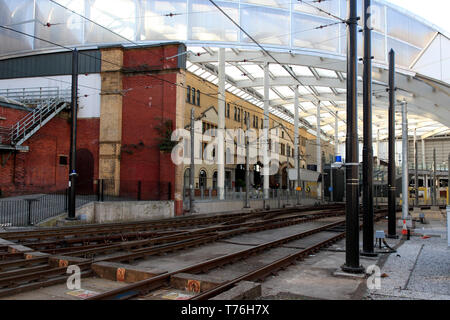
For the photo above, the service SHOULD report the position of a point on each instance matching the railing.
(46, 101)
(35, 96)
(254, 194)
(34, 207)
(36, 117)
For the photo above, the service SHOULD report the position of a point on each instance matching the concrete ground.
(420, 268)
(89, 286)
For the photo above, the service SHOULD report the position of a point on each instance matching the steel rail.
(22, 262)
(97, 239)
(232, 231)
(263, 272)
(16, 280)
(141, 287)
(41, 273)
(86, 229)
(20, 271)
(46, 232)
(40, 284)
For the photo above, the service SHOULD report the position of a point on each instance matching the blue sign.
(330, 189)
(338, 159)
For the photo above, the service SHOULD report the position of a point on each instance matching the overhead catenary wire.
(288, 70)
(151, 75)
(129, 40)
(124, 91)
(318, 27)
(133, 42)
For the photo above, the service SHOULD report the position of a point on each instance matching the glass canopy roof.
(309, 37)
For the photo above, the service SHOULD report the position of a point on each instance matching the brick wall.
(149, 101)
(38, 170)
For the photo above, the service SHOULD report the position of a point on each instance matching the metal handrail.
(39, 114)
(45, 101)
(36, 95)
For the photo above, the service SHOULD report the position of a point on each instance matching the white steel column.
(296, 142)
(405, 173)
(424, 166)
(415, 140)
(319, 153)
(336, 136)
(378, 147)
(221, 127)
(266, 132)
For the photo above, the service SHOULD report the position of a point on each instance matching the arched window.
(215, 180)
(187, 173)
(193, 96)
(202, 177)
(198, 97)
(188, 94)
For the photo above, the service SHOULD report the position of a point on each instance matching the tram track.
(25, 274)
(143, 288)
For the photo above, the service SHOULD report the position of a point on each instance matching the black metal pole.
(29, 213)
(351, 158)
(448, 183)
(391, 167)
(416, 174)
(368, 231)
(73, 137)
(192, 165)
(434, 178)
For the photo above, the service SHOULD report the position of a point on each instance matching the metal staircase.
(46, 103)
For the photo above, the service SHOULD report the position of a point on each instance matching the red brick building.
(126, 96)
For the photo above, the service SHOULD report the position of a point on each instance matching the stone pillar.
(319, 154)
(221, 127)
(179, 124)
(266, 161)
(110, 136)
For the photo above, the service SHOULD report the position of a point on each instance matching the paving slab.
(257, 238)
(181, 259)
(419, 270)
(93, 285)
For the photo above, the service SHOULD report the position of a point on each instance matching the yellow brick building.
(203, 97)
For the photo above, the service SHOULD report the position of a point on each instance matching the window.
(227, 111)
(283, 149)
(198, 97)
(282, 134)
(204, 145)
(188, 94)
(202, 179)
(288, 151)
(215, 180)
(193, 96)
(186, 177)
(239, 115)
(235, 113)
(63, 160)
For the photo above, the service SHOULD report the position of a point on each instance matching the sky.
(434, 11)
